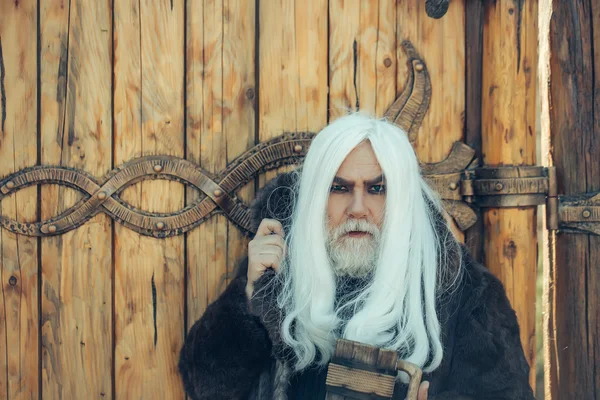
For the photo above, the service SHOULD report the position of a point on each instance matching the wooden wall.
(101, 311)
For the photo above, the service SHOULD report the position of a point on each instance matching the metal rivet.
(587, 214)
(158, 168)
(160, 225)
(453, 186)
(387, 62)
(52, 228)
(102, 195)
(10, 185)
(218, 193)
(297, 148)
(499, 186)
(419, 67)
(12, 281)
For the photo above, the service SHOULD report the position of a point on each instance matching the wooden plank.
(19, 309)
(220, 126)
(149, 273)
(473, 71)
(570, 121)
(362, 57)
(508, 123)
(441, 44)
(76, 132)
(292, 68)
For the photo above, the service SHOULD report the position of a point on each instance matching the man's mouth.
(356, 234)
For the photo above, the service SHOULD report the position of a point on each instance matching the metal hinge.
(518, 186)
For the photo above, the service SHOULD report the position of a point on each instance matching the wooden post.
(19, 307)
(569, 52)
(508, 138)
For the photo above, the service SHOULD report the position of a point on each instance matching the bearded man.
(354, 245)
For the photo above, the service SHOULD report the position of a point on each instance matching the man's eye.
(377, 189)
(337, 189)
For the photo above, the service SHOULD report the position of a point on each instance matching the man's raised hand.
(265, 251)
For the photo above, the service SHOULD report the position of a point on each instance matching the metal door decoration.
(458, 180)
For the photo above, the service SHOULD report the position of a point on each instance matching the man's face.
(355, 211)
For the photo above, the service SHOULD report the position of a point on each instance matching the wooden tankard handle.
(415, 375)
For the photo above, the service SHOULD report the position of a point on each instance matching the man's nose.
(357, 208)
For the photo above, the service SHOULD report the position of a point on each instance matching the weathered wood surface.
(508, 125)
(221, 95)
(569, 51)
(441, 43)
(19, 306)
(292, 69)
(240, 91)
(362, 57)
(76, 131)
(149, 273)
(473, 134)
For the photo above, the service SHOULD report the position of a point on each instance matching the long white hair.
(397, 308)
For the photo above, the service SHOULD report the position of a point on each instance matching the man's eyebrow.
(345, 182)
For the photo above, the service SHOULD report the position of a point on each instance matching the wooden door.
(122, 121)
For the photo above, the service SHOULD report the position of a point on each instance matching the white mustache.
(359, 225)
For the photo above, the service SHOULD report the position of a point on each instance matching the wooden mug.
(361, 371)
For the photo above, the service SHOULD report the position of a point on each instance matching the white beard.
(353, 256)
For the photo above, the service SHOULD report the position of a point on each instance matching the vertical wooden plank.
(441, 44)
(19, 312)
(569, 49)
(239, 103)
(220, 126)
(473, 71)
(292, 68)
(362, 57)
(148, 110)
(76, 132)
(508, 121)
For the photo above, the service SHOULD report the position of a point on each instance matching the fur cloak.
(234, 351)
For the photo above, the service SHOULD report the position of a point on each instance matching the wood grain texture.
(19, 311)
(220, 126)
(76, 132)
(149, 273)
(508, 123)
(362, 57)
(292, 69)
(441, 44)
(571, 122)
(473, 134)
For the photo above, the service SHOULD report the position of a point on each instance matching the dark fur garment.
(234, 351)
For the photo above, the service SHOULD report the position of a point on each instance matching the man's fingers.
(271, 261)
(258, 243)
(271, 249)
(269, 226)
(423, 391)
